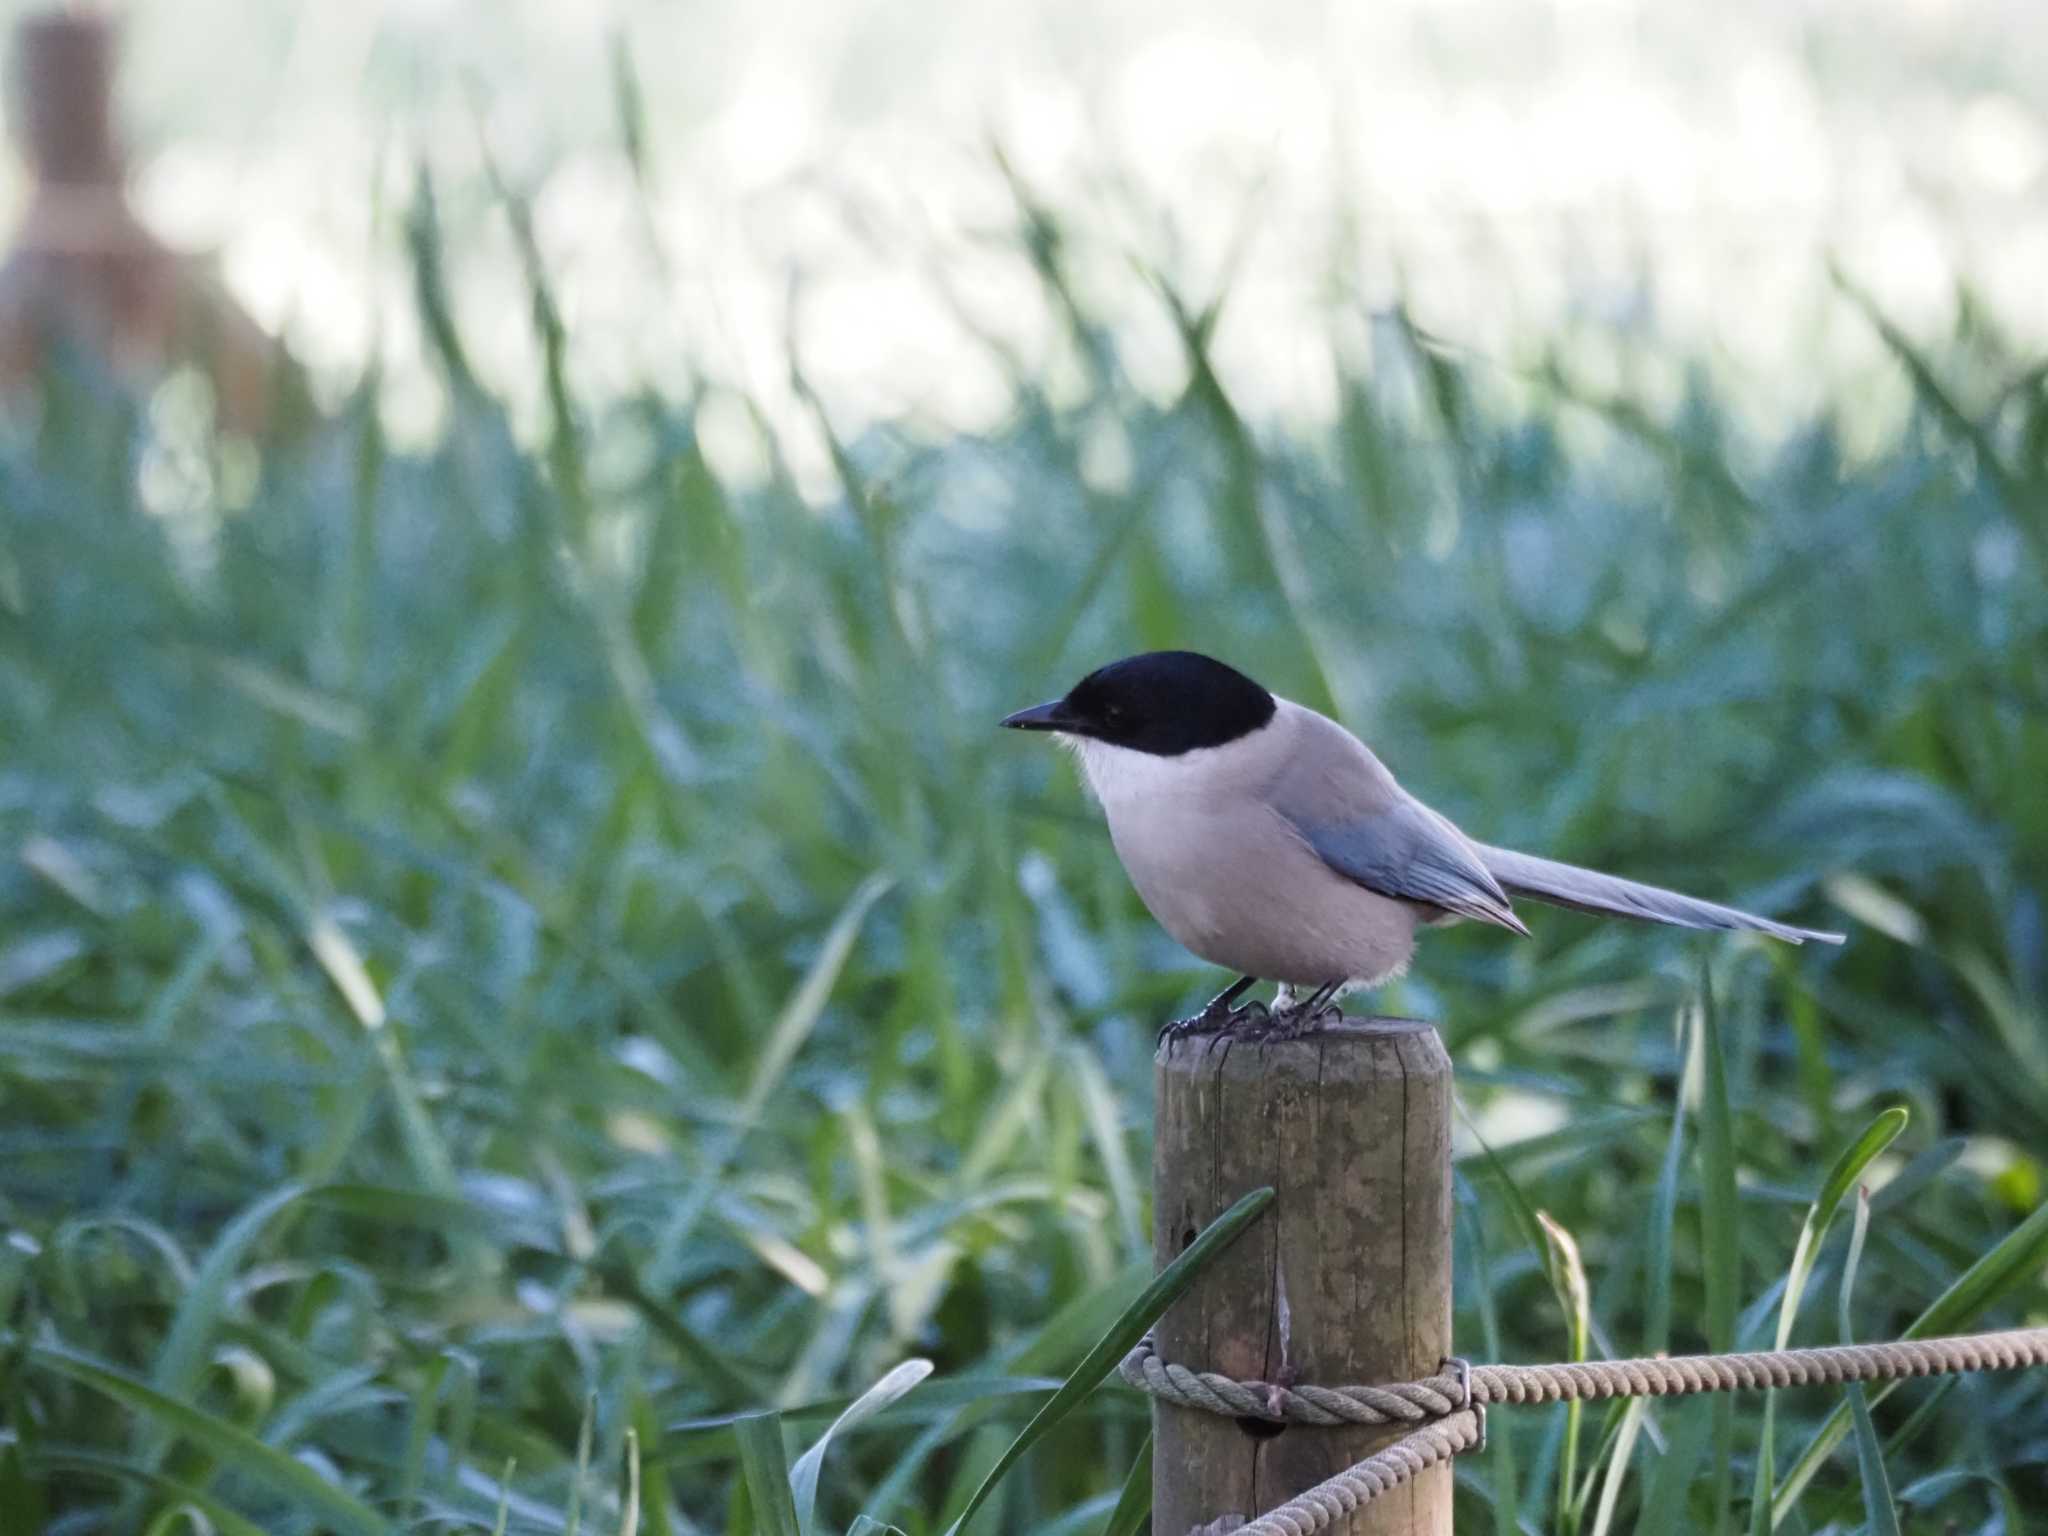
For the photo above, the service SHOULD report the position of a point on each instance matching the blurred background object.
(81, 271)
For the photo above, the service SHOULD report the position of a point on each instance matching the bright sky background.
(822, 176)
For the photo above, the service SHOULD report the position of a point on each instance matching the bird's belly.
(1251, 896)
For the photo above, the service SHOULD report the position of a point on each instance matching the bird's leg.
(1326, 1003)
(1217, 1014)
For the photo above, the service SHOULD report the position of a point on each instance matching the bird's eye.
(1112, 712)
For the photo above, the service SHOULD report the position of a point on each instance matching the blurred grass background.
(518, 948)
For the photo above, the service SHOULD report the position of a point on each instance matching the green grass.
(516, 956)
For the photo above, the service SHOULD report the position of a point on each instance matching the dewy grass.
(749, 1018)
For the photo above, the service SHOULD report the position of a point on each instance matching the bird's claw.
(1252, 1021)
(1247, 1019)
(1181, 1029)
(1292, 1023)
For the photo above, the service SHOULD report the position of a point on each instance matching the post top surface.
(1373, 1024)
(1350, 1030)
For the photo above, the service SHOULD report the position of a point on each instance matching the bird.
(1267, 839)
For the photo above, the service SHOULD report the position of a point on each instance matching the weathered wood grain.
(1346, 1278)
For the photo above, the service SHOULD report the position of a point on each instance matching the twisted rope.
(1331, 1500)
(1435, 1397)
(1448, 1421)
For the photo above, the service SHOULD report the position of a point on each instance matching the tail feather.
(1586, 890)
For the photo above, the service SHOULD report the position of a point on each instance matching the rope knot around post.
(1447, 1411)
(1404, 1403)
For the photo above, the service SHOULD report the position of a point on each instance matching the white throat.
(1120, 777)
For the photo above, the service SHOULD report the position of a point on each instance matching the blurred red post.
(82, 270)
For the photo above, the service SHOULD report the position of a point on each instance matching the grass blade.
(1122, 1335)
(803, 1477)
(419, 1431)
(1568, 1279)
(1664, 1511)
(629, 1513)
(1880, 1510)
(225, 1520)
(765, 1465)
(792, 1028)
(234, 1447)
(1100, 1105)
(1720, 1235)
(504, 1499)
(1856, 1157)
(1619, 1455)
(2014, 1260)
(573, 1520)
(946, 1393)
(183, 1356)
(1848, 1168)
(1133, 1505)
(1657, 1245)
(1505, 1482)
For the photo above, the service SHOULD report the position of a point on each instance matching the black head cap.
(1163, 702)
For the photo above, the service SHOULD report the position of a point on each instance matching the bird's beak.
(1041, 717)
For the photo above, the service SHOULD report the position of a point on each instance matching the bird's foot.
(1247, 1019)
(1186, 1029)
(1213, 1019)
(1291, 1021)
(1287, 1024)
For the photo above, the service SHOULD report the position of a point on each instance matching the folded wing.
(1406, 851)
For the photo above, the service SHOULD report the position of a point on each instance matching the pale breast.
(1230, 879)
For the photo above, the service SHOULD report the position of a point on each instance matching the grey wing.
(1407, 851)
(1586, 890)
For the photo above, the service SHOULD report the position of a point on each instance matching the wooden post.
(1346, 1277)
